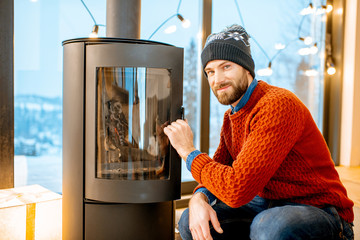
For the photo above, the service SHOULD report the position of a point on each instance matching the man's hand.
(181, 137)
(200, 214)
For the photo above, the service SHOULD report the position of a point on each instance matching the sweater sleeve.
(222, 154)
(274, 128)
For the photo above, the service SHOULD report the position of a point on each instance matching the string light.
(308, 50)
(265, 71)
(324, 9)
(314, 49)
(304, 51)
(95, 29)
(311, 50)
(307, 40)
(279, 46)
(184, 22)
(94, 33)
(331, 70)
(321, 10)
(170, 29)
(330, 66)
(311, 73)
(309, 10)
(329, 8)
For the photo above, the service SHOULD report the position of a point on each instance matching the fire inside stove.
(133, 107)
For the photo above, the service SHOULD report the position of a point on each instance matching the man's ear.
(249, 76)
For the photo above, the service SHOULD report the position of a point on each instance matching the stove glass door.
(132, 108)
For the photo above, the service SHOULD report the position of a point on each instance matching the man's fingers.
(215, 222)
(167, 130)
(182, 122)
(177, 126)
(205, 231)
(195, 234)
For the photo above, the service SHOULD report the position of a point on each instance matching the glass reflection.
(133, 107)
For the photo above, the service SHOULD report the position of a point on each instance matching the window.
(275, 29)
(154, 13)
(40, 27)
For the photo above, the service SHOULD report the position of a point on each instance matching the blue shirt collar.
(245, 98)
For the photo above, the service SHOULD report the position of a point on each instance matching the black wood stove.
(120, 174)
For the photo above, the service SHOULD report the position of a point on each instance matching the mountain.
(38, 125)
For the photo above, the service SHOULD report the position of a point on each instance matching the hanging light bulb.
(307, 40)
(311, 73)
(329, 8)
(309, 50)
(314, 49)
(279, 46)
(331, 70)
(265, 71)
(184, 22)
(94, 33)
(304, 51)
(321, 10)
(309, 10)
(170, 29)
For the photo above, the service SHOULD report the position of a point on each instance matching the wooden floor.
(350, 177)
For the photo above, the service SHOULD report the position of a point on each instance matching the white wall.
(350, 115)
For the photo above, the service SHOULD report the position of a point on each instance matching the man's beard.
(227, 98)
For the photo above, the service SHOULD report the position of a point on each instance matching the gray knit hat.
(230, 44)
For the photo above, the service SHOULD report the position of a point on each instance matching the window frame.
(7, 94)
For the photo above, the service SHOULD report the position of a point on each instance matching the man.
(272, 176)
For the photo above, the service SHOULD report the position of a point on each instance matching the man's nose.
(218, 77)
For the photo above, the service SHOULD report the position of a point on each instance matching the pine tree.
(190, 86)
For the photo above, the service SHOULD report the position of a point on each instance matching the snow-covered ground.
(43, 170)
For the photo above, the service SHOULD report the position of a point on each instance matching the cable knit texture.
(272, 148)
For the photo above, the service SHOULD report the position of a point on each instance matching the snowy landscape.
(38, 141)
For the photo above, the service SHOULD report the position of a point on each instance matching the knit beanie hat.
(230, 44)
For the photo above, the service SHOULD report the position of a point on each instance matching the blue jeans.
(263, 219)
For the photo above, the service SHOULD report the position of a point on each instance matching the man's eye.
(226, 66)
(210, 72)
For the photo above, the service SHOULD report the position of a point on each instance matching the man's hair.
(230, 44)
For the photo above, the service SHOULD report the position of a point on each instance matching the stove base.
(129, 221)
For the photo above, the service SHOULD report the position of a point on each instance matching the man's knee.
(265, 226)
(184, 225)
(291, 222)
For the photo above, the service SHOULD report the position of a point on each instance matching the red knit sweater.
(272, 148)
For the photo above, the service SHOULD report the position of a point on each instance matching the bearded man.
(272, 176)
